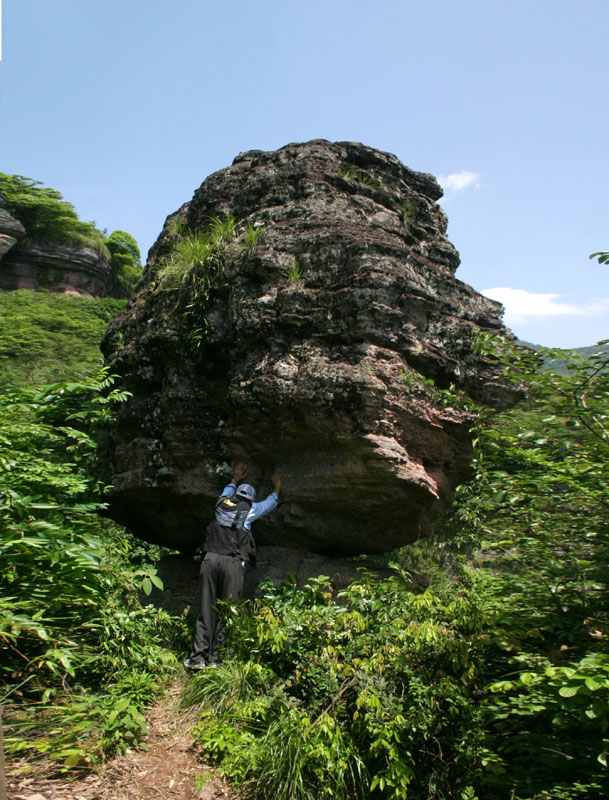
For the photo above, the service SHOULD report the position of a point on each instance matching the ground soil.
(170, 769)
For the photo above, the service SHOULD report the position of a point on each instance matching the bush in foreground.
(80, 653)
(370, 696)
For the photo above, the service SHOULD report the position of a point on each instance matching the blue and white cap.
(246, 491)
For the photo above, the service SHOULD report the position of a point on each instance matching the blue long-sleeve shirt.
(258, 509)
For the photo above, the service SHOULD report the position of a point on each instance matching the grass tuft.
(295, 271)
(251, 237)
(361, 177)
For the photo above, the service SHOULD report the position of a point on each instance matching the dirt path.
(169, 770)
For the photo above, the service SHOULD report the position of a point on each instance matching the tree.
(125, 263)
(45, 215)
(538, 511)
(603, 257)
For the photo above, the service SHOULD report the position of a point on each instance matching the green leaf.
(157, 581)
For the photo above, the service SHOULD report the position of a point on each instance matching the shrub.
(72, 626)
(368, 696)
(125, 263)
(537, 514)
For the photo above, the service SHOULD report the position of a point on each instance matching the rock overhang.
(324, 352)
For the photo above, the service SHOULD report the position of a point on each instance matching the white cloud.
(521, 305)
(458, 181)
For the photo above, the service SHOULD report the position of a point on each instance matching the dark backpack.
(231, 512)
(227, 534)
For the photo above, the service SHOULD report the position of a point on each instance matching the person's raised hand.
(239, 472)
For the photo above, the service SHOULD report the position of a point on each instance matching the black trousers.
(220, 578)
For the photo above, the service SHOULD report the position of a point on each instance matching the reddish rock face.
(68, 269)
(65, 269)
(324, 351)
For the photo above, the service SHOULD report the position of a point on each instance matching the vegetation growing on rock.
(301, 334)
(51, 221)
(45, 215)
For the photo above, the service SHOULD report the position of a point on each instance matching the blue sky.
(126, 107)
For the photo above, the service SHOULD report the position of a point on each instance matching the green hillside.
(557, 359)
(47, 337)
(586, 352)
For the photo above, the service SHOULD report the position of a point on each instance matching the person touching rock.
(229, 544)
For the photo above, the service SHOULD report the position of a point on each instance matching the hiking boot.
(195, 662)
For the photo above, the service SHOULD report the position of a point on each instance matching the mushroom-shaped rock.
(300, 314)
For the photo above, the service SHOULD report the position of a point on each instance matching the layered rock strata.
(68, 269)
(57, 268)
(330, 341)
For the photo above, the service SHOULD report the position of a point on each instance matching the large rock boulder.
(328, 340)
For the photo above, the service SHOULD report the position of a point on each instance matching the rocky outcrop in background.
(11, 230)
(66, 268)
(328, 340)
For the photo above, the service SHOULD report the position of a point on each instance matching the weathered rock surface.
(11, 230)
(67, 269)
(323, 353)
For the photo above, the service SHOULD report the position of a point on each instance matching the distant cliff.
(43, 245)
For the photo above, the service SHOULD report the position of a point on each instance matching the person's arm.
(264, 506)
(239, 473)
